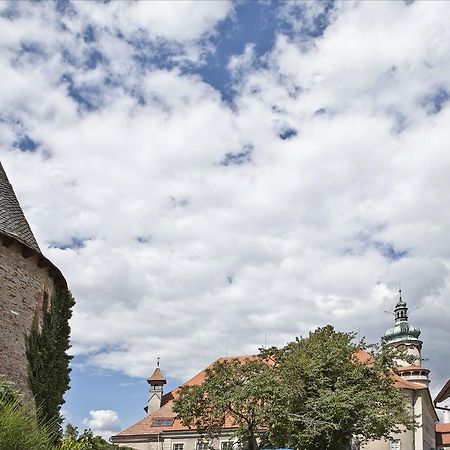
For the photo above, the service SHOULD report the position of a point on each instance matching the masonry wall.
(25, 290)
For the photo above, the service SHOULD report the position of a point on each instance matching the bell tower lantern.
(156, 386)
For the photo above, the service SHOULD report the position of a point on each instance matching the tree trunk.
(252, 442)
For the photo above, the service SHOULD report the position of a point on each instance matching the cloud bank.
(189, 224)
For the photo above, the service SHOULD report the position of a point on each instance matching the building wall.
(423, 438)
(24, 291)
(167, 443)
(406, 438)
(428, 424)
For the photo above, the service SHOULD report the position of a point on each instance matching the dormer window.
(162, 422)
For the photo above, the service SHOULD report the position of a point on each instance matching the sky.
(214, 176)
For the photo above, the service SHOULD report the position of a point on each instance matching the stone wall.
(25, 290)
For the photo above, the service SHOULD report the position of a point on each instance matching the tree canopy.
(312, 393)
(235, 393)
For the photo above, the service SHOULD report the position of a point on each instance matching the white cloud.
(243, 62)
(158, 18)
(103, 422)
(184, 257)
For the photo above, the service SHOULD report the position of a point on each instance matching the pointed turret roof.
(157, 377)
(12, 219)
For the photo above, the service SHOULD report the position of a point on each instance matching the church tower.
(27, 282)
(156, 387)
(404, 337)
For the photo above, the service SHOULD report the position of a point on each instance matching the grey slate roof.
(12, 219)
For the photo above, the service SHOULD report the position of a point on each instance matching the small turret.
(156, 387)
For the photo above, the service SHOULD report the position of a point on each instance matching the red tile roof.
(145, 426)
(443, 434)
(157, 376)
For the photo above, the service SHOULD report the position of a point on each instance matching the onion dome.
(402, 330)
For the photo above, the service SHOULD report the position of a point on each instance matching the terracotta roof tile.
(157, 376)
(145, 426)
(401, 383)
(443, 434)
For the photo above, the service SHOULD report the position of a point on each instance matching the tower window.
(178, 446)
(394, 444)
(202, 446)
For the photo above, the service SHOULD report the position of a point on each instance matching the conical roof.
(12, 220)
(157, 377)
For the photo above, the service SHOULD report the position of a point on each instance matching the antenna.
(226, 350)
(157, 362)
(265, 340)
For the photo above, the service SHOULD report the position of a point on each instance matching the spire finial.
(157, 362)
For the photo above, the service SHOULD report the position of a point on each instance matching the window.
(162, 422)
(202, 446)
(178, 446)
(226, 445)
(394, 444)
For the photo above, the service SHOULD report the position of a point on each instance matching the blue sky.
(206, 174)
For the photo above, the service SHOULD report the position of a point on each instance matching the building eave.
(42, 261)
(444, 393)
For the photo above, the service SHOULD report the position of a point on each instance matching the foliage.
(313, 393)
(335, 395)
(48, 362)
(242, 394)
(18, 427)
(9, 393)
(86, 441)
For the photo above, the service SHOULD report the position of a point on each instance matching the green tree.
(239, 393)
(335, 395)
(313, 393)
(48, 361)
(72, 440)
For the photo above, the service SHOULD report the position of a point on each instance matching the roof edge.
(43, 261)
(444, 393)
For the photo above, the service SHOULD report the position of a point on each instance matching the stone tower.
(27, 281)
(405, 338)
(156, 387)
